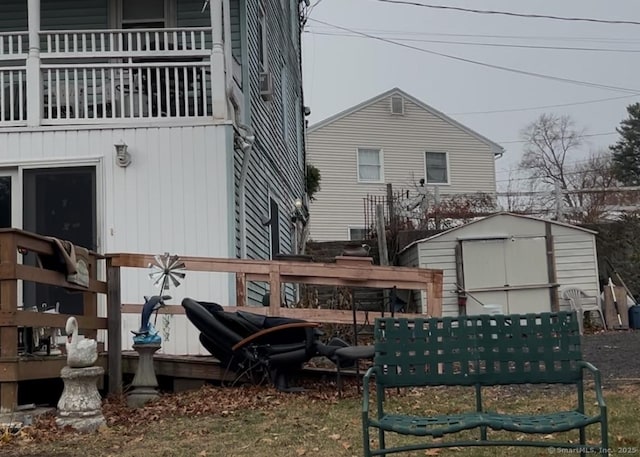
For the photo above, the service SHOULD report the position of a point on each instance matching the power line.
(510, 13)
(590, 135)
(475, 43)
(568, 164)
(508, 37)
(484, 64)
(533, 108)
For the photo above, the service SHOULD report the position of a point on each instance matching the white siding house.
(504, 260)
(181, 84)
(392, 138)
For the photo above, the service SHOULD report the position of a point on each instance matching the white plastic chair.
(578, 303)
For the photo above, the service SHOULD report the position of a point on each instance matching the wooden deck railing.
(347, 271)
(13, 367)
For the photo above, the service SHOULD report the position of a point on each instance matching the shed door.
(511, 272)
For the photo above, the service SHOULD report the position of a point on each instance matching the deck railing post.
(275, 290)
(9, 333)
(114, 314)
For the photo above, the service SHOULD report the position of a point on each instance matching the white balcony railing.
(13, 95)
(132, 43)
(13, 45)
(107, 76)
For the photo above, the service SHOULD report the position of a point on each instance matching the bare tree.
(553, 155)
(552, 143)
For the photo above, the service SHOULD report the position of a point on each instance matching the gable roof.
(501, 213)
(497, 149)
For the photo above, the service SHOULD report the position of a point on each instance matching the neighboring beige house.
(392, 138)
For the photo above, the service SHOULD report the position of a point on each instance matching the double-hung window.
(369, 165)
(437, 168)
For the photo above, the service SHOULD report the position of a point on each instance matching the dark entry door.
(60, 202)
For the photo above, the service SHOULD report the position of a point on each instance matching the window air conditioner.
(266, 85)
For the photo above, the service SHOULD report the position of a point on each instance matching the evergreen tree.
(626, 152)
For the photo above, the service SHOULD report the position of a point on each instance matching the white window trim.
(262, 18)
(381, 159)
(354, 227)
(448, 183)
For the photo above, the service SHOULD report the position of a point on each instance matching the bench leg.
(605, 436)
(583, 440)
(381, 439)
(366, 444)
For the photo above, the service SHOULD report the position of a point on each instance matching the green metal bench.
(479, 351)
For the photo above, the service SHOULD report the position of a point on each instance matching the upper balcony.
(116, 76)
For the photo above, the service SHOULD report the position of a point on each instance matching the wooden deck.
(14, 244)
(200, 367)
(207, 368)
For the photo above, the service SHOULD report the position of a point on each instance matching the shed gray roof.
(502, 213)
(497, 149)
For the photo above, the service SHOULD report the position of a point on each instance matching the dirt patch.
(615, 353)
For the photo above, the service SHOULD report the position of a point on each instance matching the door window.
(61, 203)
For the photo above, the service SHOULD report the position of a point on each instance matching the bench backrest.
(486, 350)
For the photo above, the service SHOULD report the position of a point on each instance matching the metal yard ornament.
(165, 271)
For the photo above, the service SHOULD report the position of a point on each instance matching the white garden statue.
(81, 352)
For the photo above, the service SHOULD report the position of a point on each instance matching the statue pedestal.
(144, 382)
(80, 405)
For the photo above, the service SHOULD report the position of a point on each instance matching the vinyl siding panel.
(74, 14)
(56, 14)
(441, 255)
(13, 15)
(403, 140)
(236, 34)
(190, 14)
(274, 168)
(576, 262)
(172, 198)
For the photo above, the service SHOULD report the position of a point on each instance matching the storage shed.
(508, 263)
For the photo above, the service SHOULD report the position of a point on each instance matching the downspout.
(247, 147)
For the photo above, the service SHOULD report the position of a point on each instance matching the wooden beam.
(114, 333)
(34, 367)
(37, 319)
(43, 276)
(551, 268)
(288, 268)
(8, 335)
(373, 283)
(241, 289)
(327, 316)
(188, 367)
(275, 291)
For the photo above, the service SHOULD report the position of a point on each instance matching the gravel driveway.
(615, 353)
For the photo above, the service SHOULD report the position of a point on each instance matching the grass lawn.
(260, 422)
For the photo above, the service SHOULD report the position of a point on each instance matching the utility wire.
(568, 164)
(589, 135)
(475, 43)
(563, 38)
(509, 13)
(484, 64)
(533, 108)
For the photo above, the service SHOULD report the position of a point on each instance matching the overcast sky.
(341, 71)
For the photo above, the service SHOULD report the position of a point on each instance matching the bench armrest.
(597, 381)
(365, 390)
